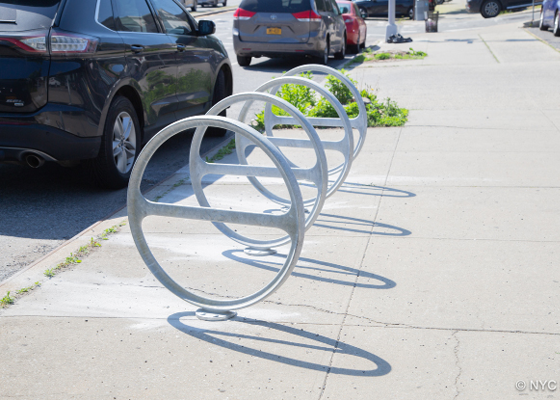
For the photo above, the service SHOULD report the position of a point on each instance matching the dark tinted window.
(320, 4)
(105, 16)
(173, 17)
(134, 16)
(277, 6)
(23, 15)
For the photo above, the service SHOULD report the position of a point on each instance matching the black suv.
(491, 8)
(94, 80)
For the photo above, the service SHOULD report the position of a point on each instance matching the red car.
(356, 28)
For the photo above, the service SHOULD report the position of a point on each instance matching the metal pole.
(533, 16)
(391, 26)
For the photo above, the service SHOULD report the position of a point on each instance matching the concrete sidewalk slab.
(429, 275)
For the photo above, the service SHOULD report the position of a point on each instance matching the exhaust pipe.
(34, 161)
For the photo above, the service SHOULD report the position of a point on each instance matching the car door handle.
(181, 47)
(136, 48)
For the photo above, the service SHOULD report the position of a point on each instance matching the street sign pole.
(391, 26)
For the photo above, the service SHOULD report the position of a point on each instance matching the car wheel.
(225, 3)
(193, 7)
(363, 13)
(542, 26)
(215, 4)
(556, 28)
(120, 145)
(220, 93)
(490, 8)
(355, 48)
(243, 61)
(324, 59)
(340, 55)
(411, 13)
(363, 45)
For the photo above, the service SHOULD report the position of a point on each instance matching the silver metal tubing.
(360, 122)
(316, 174)
(292, 222)
(344, 146)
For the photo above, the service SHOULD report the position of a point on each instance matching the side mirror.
(206, 27)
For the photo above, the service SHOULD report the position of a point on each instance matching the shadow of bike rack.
(292, 220)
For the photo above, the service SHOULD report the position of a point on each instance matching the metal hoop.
(359, 122)
(343, 146)
(292, 222)
(317, 174)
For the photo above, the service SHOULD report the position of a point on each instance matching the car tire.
(120, 146)
(556, 27)
(490, 8)
(220, 93)
(342, 53)
(363, 13)
(243, 61)
(542, 26)
(215, 4)
(324, 59)
(193, 7)
(224, 3)
(363, 45)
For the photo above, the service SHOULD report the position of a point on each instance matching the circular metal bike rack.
(316, 174)
(344, 146)
(360, 122)
(292, 222)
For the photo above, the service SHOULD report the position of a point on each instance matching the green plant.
(6, 300)
(339, 89)
(224, 151)
(49, 272)
(382, 56)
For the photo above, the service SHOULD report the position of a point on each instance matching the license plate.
(273, 31)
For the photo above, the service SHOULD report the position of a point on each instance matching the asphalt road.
(42, 208)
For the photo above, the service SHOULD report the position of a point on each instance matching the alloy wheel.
(491, 8)
(124, 142)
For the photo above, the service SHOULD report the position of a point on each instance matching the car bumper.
(473, 6)
(268, 49)
(45, 133)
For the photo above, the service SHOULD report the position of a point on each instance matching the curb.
(34, 271)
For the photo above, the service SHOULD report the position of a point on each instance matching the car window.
(105, 14)
(335, 7)
(276, 6)
(24, 15)
(174, 19)
(134, 16)
(320, 4)
(356, 10)
(344, 8)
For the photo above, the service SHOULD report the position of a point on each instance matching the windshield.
(276, 6)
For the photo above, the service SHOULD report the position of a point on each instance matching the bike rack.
(344, 146)
(293, 220)
(317, 174)
(359, 122)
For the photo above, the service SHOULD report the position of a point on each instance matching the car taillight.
(308, 15)
(348, 19)
(66, 43)
(36, 43)
(59, 43)
(243, 14)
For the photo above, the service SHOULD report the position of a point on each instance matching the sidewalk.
(431, 274)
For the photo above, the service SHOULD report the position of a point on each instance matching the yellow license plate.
(273, 31)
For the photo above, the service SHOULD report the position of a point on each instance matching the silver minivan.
(288, 28)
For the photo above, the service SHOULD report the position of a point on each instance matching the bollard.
(292, 221)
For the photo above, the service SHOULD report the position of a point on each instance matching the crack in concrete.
(457, 364)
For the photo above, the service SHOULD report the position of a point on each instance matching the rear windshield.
(276, 6)
(25, 15)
